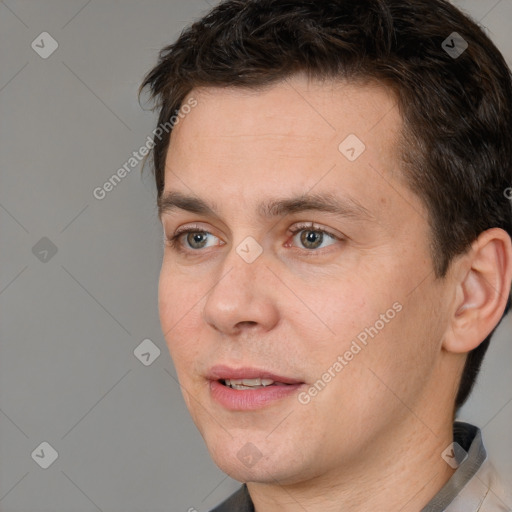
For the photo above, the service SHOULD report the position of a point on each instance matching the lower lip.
(249, 399)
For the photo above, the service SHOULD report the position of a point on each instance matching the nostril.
(246, 323)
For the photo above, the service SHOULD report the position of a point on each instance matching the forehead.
(298, 134)
(298, 107)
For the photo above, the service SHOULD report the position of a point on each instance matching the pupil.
(311, 239)
(196, 239)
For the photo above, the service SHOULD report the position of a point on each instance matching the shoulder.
(485, 492)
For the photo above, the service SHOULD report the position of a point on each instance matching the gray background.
(70, 324)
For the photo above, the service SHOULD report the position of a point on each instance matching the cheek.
(178, 292)
(371, 316)
(167, 304)
(177, 305)
(347, 306)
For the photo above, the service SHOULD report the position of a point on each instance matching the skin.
(373, 437)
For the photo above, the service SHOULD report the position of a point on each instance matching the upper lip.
(223, 372)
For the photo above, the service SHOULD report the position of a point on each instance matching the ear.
(483, 279)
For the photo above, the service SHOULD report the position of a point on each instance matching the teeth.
(248, 383)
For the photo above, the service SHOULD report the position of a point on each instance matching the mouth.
(249, 388)
(257, 383)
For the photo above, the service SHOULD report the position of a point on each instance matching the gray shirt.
(474, 487)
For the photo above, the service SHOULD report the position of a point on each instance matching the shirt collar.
(469, 438)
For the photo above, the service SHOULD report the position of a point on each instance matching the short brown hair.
(457, 109)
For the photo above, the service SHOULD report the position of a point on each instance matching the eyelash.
(174, 241)
(310, 226)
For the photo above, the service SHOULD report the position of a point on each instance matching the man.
(337, 247)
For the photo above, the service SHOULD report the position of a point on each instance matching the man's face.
(282, 288)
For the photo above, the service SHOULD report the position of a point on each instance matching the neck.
(404, 473)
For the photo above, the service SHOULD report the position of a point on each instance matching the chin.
(243, 460)
(264, 471)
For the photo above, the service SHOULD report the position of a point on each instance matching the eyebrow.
(326, 202)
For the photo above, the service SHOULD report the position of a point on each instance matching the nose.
(243, 298)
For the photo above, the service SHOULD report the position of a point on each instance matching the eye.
(198, 239)
(192, 239)
(311, 237)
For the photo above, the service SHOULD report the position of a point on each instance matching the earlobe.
(482, 291)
